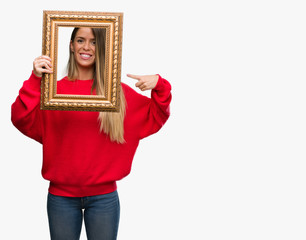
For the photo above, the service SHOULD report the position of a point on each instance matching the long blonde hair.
(111, 123)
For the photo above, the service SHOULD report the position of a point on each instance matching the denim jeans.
(101, 216)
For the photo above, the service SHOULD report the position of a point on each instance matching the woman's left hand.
(145, 82)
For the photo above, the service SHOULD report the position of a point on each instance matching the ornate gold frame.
(112, 22)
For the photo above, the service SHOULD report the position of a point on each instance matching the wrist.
(39, 75)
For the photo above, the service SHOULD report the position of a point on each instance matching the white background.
(229, 163)
(64, 34)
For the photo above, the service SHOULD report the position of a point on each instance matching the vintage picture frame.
(113, 24)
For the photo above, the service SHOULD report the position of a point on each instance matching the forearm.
(158, 110)
(25, 109)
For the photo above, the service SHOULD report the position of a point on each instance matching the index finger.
(44, 57)
(133, 76)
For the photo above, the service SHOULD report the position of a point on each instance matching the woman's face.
(84, 48)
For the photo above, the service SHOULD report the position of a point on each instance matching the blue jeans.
(101, 216)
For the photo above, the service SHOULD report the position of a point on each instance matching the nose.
(86, 45)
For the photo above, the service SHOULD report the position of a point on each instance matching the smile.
(85, 56)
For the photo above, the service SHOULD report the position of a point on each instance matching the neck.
(85, 73)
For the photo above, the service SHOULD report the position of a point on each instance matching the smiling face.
(83, 48)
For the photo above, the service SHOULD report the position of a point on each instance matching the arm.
(25, 111)
(156, 110)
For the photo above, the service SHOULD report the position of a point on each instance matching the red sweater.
(78, 160)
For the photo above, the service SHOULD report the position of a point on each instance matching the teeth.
(85, 55)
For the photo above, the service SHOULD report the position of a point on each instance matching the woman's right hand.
(41, 65)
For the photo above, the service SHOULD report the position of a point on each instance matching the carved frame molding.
(113, 23)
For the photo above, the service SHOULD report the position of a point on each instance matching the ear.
(71, 47)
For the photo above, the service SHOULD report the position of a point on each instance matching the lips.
(85, 56)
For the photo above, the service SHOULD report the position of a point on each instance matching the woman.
(82, 157)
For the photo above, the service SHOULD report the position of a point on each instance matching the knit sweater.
(78, 159)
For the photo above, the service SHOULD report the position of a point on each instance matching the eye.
(79, 40)
(93, 42)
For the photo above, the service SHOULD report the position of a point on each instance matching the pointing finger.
(134, 76)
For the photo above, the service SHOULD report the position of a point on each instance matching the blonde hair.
(111, 123)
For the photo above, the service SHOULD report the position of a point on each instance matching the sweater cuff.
(34, 82)
(162, 84)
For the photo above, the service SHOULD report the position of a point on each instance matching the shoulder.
(132, 97)
(126, 88)
(64, 79)
(130, 92)
(63, 84)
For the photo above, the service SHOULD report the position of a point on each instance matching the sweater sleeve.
(157, 109)
(25, 111)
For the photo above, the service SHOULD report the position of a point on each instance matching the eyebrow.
(84, 38)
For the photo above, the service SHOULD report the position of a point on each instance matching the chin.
(86, 65)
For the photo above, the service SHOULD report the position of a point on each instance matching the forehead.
(85, 33)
